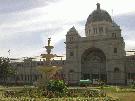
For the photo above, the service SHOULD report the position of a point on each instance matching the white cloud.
(53, 20)
(130, 44)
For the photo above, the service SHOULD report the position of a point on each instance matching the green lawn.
(125, 94)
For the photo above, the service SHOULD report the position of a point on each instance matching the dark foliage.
(5, 69)
(57, 86)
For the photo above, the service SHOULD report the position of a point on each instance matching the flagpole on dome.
(112, 15)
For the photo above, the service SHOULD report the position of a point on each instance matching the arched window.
(114, 35)
(100, 29)
(89, 31)
(71, 71)
(71, 39)
(116, 69)
(71, 53)
(115, 50)
(95, 30)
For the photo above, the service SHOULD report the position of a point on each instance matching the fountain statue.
(49, 40)
(48, 56)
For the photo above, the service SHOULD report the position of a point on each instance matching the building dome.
(98, 15)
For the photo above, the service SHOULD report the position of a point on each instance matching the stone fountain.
(48, 70)
(48, 56)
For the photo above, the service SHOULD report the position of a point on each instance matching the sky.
(25, 25)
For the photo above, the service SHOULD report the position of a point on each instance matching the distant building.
(101, 54)
(27, 71)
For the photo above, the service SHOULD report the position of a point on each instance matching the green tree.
(6, 69)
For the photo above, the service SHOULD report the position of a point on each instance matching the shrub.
(57, 87)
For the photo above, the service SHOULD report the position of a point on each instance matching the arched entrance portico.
(93, 64)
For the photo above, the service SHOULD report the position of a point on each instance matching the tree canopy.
(6, 69)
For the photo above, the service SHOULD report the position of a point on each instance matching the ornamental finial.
(49, 40)
(98, 6)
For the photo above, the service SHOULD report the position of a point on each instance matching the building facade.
(101, 54)
(27, 71)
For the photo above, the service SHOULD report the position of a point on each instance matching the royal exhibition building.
(100, 55)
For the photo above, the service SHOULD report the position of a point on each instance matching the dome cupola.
(98, 15)
(98, 23)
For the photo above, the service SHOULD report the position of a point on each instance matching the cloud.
(126, 21)
(8, 6)
(25, 30)
(59, 48)
(26, 24)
